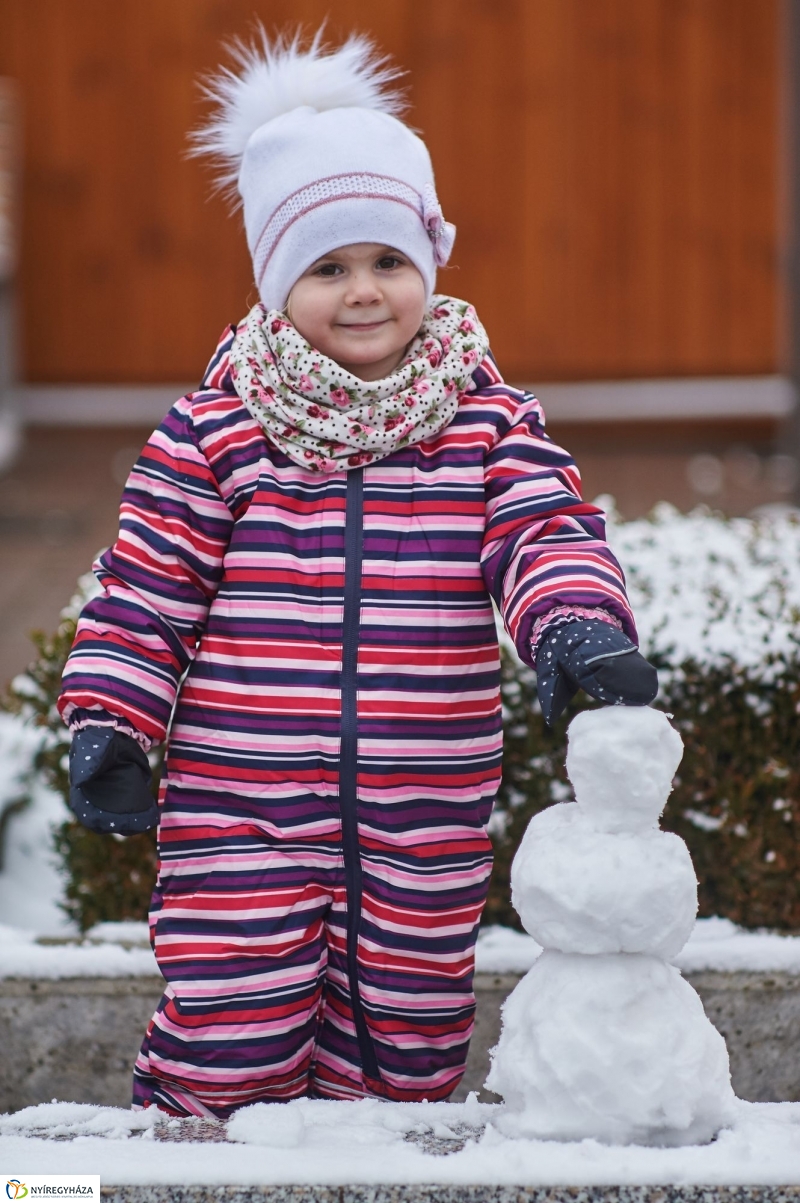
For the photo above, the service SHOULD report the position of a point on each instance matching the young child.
(300, 601)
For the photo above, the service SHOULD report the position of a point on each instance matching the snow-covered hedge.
(717, 601)
(101, 878)
(713, 589)
(709, 588)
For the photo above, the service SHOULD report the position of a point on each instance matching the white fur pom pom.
(275, 77)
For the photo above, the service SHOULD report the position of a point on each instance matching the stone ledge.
(81, 987)
(450, 1194)
(757, 1013)
(75, 1039)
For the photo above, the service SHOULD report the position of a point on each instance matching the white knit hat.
(310, 141)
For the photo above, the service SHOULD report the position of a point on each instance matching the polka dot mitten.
(596, 656)
(109, 777)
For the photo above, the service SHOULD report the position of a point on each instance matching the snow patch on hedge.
(707, 587)
(30, 882)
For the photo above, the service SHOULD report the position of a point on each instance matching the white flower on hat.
(311, 141)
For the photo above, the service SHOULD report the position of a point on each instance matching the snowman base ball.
(603, 1038)
(612, 1047)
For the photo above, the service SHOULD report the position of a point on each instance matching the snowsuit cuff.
(78, 718)
(563, 614)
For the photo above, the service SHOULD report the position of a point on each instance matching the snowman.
(603, 1038)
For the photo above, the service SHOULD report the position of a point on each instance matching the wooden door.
(611, 166)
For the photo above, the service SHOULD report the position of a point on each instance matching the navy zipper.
(348, 755)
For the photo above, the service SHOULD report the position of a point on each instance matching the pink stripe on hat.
(361, 185)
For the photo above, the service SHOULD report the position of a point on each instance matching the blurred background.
(620, 172)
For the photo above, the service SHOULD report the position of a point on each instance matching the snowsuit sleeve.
(135, 640)
(544, 547)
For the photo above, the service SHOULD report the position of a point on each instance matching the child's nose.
(363, 289)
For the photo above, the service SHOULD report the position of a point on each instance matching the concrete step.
(75, 1039)
(442, 1193)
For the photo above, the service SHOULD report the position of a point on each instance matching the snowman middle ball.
(582, 890)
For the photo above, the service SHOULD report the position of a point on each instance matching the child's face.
(361, 305)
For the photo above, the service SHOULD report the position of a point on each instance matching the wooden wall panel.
(611, 166)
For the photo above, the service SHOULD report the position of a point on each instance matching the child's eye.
(389, 262)
(327, 269)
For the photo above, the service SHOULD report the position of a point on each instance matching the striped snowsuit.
(335, 748)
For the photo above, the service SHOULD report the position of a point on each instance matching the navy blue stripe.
(348, 756)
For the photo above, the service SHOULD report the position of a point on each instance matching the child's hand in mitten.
(109, 778)
(596, 656)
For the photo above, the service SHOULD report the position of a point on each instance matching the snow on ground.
(21, 955)
(720, 944)
(714, 944)
(373, 1141)
(126, 932)
(123, 950)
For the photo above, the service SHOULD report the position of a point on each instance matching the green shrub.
(735, 800)
(107, 877)
(700, 583)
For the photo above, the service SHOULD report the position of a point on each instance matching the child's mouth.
(364, 326)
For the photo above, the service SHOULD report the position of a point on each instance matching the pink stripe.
(342, 189)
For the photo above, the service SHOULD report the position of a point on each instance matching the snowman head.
(621, 761)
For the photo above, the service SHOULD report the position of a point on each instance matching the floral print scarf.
(326, 419)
